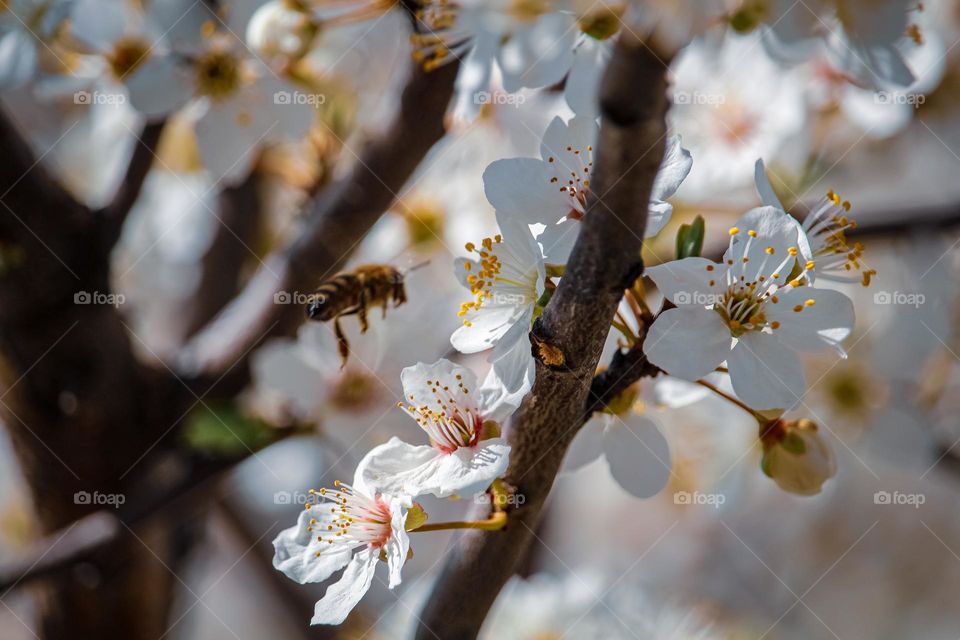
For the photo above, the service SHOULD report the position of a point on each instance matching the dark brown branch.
(168, 488)
(605, 260)
(144, 152)
(334, 225)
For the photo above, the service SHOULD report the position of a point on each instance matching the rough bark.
(605, 260)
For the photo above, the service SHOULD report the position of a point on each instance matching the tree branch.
(605, 260)
(115, 213)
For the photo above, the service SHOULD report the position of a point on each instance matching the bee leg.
(342, 345)
(362, 311)
(399, 294)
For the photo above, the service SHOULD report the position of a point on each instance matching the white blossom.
(553, 190)
(348, 526)
(465, 453)
(753, 310)
(506, 279)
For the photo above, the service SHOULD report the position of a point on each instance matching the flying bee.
(354, 292)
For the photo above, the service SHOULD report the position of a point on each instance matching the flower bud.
(796, 456)
(280, 28)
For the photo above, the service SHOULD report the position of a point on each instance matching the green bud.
(690, 239)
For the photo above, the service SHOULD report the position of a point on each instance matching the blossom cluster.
(736, 327)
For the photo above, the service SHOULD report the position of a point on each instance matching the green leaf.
(690, 238)
(221, 428)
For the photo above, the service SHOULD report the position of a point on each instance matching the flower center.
(354, 391)
(528, 10)
(218, 73)
(742, 305)
(602, 23)
(572, 173)
(425, 220)
(127, 55)
(346, 517)
(481, 282)
(439, 39)
(449, 426)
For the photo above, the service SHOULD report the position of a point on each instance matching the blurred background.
(722, 552)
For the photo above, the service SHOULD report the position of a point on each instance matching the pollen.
(752, 233)
(734, 231)
(770, 251)
(792, 251)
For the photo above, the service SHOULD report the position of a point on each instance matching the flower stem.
(730, 398)
(497, 520)
(623, 328)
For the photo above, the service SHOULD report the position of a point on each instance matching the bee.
(354, 292)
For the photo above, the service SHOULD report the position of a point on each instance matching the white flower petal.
(158, 87)
(764, 373)
(658, 215)
(825, 324)
(486, 329)
(18, 58)
(539, 55)
(687, 282)
(399, 543)
(509, 379)
(521, 188)
(638, 454)
(557, 241)
(295, 552)
(583, 82)
(342, 596)
(398, 467)
(764, 189)
(98, 23)
(689, 342)
(417, 391)
(675, 167)
(675, 393)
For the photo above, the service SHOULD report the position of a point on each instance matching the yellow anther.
(752, 233)
(734, 231)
